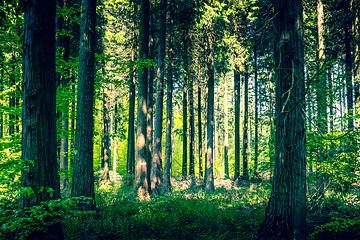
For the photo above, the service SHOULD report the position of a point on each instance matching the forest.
(179, 119)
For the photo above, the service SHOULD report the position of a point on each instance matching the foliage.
(39, 217)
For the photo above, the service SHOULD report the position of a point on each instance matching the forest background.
(200, 59)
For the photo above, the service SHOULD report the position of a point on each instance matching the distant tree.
(237, 122)
(245, 149)
(39, 155)
(83, 173)
(105, 148)
(286, 211)
(226, 131)
(169, 102)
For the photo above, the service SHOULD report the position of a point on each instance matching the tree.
(63, 47)
(105, 148)
(209, 172)
(237, 122)
(156, 169)
(245, 150)
(83, 174)
(40, 170)
(286, 211)
(141, 187)
(226, 129)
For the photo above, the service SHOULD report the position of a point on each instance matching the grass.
(187, 213)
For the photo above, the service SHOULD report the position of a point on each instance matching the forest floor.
(232, 211)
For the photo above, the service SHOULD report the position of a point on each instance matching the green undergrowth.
(335, 216)
(186, 213)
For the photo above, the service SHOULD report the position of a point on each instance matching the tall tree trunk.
(200, 127)
(63, 45)
(226, 130)
(169, 117)
(12, 99)
(237, 122)
(116, 136)
(39, 154)
(256, 123)
(209, 176)
(321, 93)
(348, 73)
(106, 154)
(286, 211)
(192, 128)
(131, 126)
(245, 150)
(168, 146)
(141, 188)
(357, 61)
(83, 173)
(185, 145)
(156, 169)
(150, 97)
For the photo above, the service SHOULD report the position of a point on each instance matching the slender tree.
(200, 127)
(39, 154)
(106, 150)
(245, 150)
(209, 174)
(185, 119)
(156, 169)
(83, 174)
(226, 131)
(237, 122)
(286, 211)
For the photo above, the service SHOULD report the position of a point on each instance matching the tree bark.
(83, 173)
(348, 72)
(200, 128)
(106, 154)
(209, 176)
(185, 145)
(156, 169)
(226, 130)
(192, 128)
(286, 211)
(131, 126)
(237, 122)
(141, 187)
(256, 123)
(39, 154)
(245, 150)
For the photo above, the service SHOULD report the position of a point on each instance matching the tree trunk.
(348, 73)
(39, 154)
(256, 123)
(192, 128)
(226, 130)
(156, 169)
(209, 176)
(184, 160)
(106, 154)
(141, 188)
(150, 98)
(131, 125)
(200, 128)
(83, 173)
(116, 136)
(168, 146)
(245, 150)
(237, 122)
(286, 211)
(357, 61)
